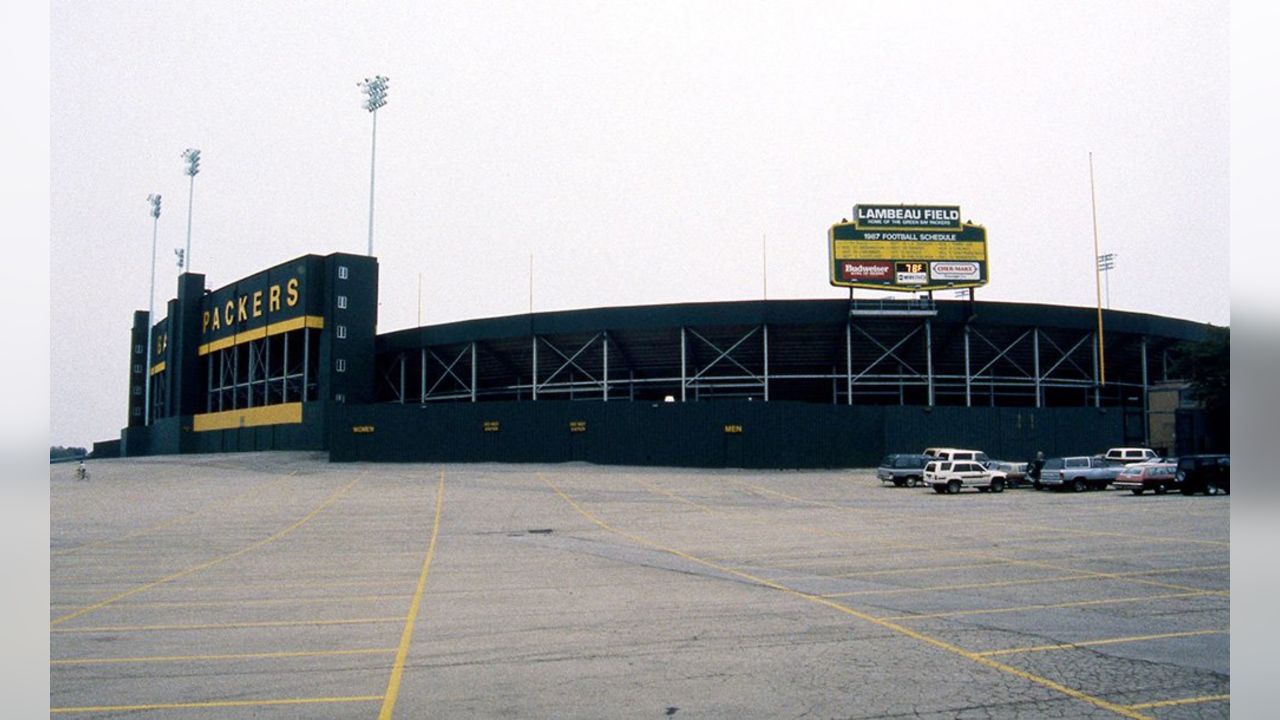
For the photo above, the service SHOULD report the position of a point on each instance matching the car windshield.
(887, 461)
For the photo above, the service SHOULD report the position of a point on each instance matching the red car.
(1141, 477)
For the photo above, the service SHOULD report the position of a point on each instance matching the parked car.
(1015, 472)
(1209, 474)
(902, 469)
(1138, 478)
(957, 454)
(946, 476)
(1131, 455)
(1078, 473)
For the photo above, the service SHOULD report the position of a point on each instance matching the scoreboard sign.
(907, 248)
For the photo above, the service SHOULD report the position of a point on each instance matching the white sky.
(639, 151)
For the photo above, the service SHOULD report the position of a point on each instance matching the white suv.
(946, 476)
(1131, 455)
(957, 454)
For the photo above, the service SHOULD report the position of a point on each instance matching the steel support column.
(422, 391)
(848, 358)
(306, 361)
(766, 363)
(968, 379)
(683, 374)
(928, 350)
(605, 390)
(1146, 407)
(1035, 357)
(473, 372)
(535, 367)
(1097, 390)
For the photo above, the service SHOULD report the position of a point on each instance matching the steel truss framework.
(267, 371)
(872, 358)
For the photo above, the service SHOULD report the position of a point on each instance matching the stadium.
(289, 358)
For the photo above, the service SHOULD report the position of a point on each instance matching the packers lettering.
(243, 308)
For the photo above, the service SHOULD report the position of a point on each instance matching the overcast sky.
(639, 151)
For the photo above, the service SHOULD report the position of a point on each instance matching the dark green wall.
(776, 435)
(173, 435)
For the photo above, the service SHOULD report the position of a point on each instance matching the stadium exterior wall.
(723, 434)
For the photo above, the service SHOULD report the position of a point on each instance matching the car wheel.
(913, 481)
(1136, 491)
(953, 487)
(997, 486)
(1211, 488)
(1079, 485)
(1161, 489)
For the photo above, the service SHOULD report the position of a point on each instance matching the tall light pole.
(1107, 263)
(154, 200)
(376, 96)
(192, 156)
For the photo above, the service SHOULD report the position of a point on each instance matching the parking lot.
(279, 585)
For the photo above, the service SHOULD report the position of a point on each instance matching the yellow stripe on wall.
(275, 328)
(286, 413)
(157, 368)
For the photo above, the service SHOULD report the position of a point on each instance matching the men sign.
(907, 248)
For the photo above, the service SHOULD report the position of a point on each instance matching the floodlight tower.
(1107, 263)
(192, 156)
(376, 91)
(154, 200)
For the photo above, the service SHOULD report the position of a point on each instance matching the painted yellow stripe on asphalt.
(253, 603)
(203, 658)
(210, 563)
(1030, 581)
(397, 669)
(160, 526)
(1107, 641)
(229, 626)
(1024, 608)
(280, 414)
(1184, 701)
(275, 328)
(214, 704)
(881, 622)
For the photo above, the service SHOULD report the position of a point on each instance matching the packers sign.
(907, 248)
(264, 304)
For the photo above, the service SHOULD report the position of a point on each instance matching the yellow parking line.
(233, 656)
(245, 603)
(210, 563)
(222, 587)
(214, 704)
(1029, 581)
(397, 669)
(882, 622)
(174, 520)
(1184, 701)
(228, 626)
(1108, 641)
(1023, 608)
